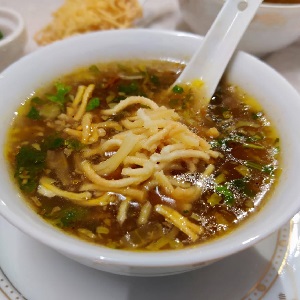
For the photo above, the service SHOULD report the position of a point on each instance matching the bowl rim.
(104, 255)
(280, 5)
(274, 5)
(16, 30)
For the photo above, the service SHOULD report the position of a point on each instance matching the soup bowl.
(274, 26)
(278, 98)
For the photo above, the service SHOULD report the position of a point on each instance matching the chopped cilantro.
(71, 215)
(177, 89)
(61, 93)
(268, 169)
(73, 144)
(92, 104)
(33, 114)
(226, 193)
(29, 164)
(242, 186)
(53, 142)
(37, 100)
(129, 89)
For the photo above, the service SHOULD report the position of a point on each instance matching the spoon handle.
(211, 59)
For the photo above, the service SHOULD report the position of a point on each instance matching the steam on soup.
(94, 156)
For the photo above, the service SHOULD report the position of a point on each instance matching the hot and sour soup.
(95, 157)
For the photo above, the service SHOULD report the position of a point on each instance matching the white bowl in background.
(14, 36)
(276, 95)
(274, 26)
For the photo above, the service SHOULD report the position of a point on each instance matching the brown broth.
(239, 185)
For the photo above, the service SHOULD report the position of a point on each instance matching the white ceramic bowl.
(276, 95)
(14, 36)
(275, 26)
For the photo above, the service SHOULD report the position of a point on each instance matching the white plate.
(270, 270)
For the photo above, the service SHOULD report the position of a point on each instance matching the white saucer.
(270, 270)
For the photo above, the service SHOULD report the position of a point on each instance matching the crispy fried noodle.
(147, 145)
(80, 16)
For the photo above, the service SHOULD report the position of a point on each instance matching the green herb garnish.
(53, 142)
(37, 100)
(253, 146)
(92, 104)
(33, 114)
(130, 89)
(61, 93)
(29, 165)
(177, 89)
(268, 169)
(226, 193)
(1, 35)
(71, 215)
(242, 186)
(73, 144)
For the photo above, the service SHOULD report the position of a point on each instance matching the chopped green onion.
(61, 93)
(92, 104)
(253, 146)
(268, 169)
(254, 165)
(177, 89)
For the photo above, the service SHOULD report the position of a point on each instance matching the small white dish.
(274, 27)
(12, 44)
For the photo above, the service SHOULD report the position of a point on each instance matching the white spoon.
(210, 60)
